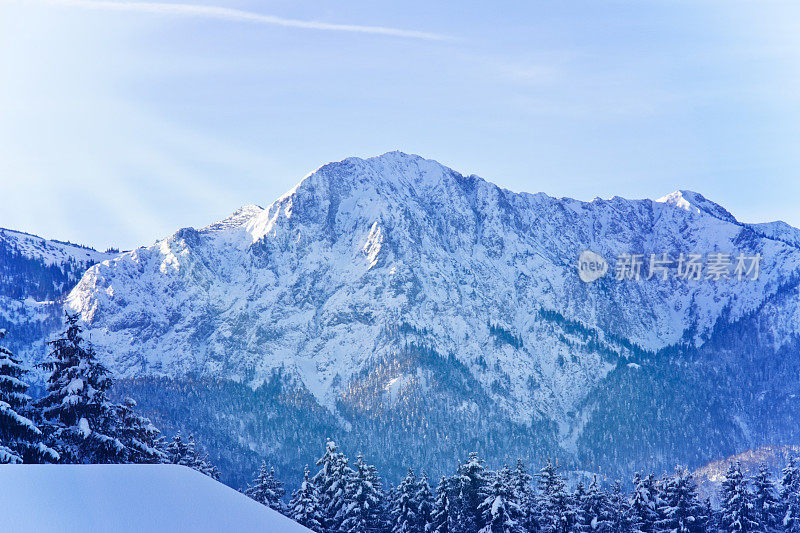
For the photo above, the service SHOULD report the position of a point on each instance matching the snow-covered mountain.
(422, 313)
(35, 276)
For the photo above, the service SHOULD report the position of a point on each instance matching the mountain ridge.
(395, 293)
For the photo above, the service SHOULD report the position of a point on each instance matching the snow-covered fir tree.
(444, 507)
(142, 440)
(20, 437)
(331, 482)
(363, 510)
(500, 512)
(79, 418)
(619, 511)
(594, 512)
(790, 496)
(524, 495)
(266, 489)
(555, 508)
(425, 501)
(404, 512)
(681, 510)
(766, 506)
(644, 504)
(184, 451)
(737, 514)
(473, 488)
(304, 506)
(578, 501)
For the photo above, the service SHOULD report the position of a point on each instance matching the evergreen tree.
(304, 507)
(405, 515)
(473, 489)
(766, 506)
(644, 504)
(444, 508)
(790, 496)
(331, 482)
(595, 512)
(185, 452)
(524, 495)
(20, 438)
(266, 489)
(143, 442)
(619, 512)
(500, 512)
(424, 499)
(681, 510)
(80, 420)
(556, 511)
(363, 512)
(713, 517)
(577, 503)
(737, 507)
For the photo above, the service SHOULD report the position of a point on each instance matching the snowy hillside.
(123, 498)
(35, 275)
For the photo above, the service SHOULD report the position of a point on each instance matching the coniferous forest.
(75, 421)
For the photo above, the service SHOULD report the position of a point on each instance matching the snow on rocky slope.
(319, 283)
(35, 275)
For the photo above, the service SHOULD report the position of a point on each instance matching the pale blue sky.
(118, 127)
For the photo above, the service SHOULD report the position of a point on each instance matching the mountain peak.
(697, 203)
(238, 218)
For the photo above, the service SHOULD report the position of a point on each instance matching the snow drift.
(123, 498)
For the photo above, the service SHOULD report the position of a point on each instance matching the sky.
(121, 122)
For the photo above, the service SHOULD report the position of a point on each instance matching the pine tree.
(713, 516)
(577, 504)
(790, 496)
(681, 510)
(362, 513)
(304, 507)
(20, 438)
(525, 496)
(185, 452)
(556, 511)
(766, 506)
(644, 504)
(405, 511)
(500, 512)
(473, 489)
(619, 512)
(444, 511)
(331, 482)
(595, 511)
(737, 508)
(143, 442)
(80, 420)
(424, 499)
(266, 489)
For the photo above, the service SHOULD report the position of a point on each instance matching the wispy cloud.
(238, 15)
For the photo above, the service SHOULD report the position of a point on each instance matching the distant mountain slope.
(35, 275)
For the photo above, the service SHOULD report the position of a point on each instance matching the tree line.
(345, 498)
(76, 421)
